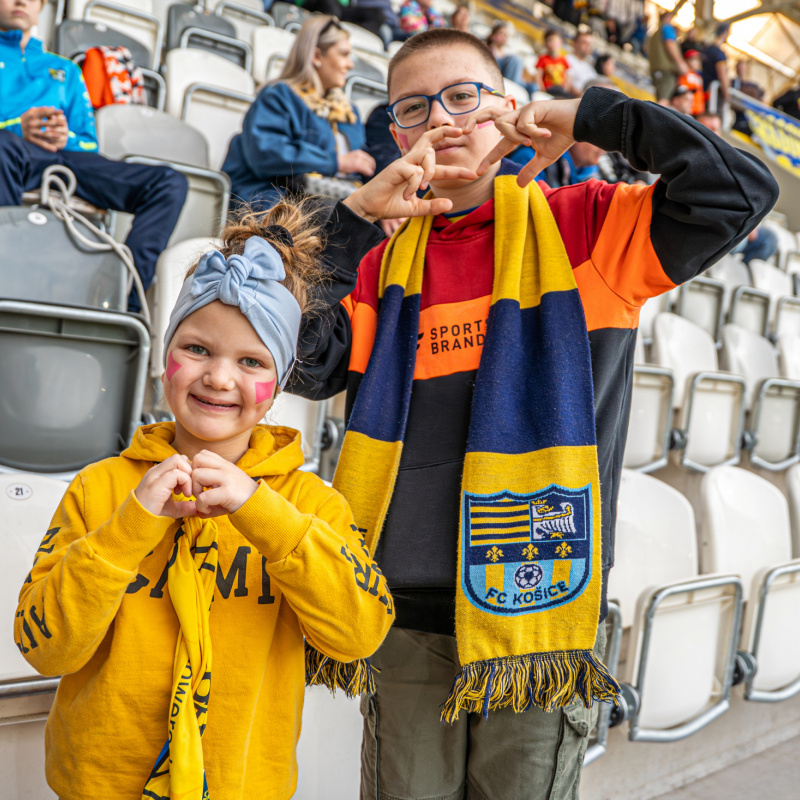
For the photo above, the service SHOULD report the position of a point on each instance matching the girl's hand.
(545, 125)
(156, 488)
(356, 161)
(219, 487)
(392, 194)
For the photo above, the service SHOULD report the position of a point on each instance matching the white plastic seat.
(269, 45)
(683, 627)
(171, 269)
(27, 505)
(789, 352)
(702, 301)
(144, 135)
(650, 421)
(133, 17)
(744, 304)
(785, 308)
(746, 530)
(365, 95)
(362, 39)
(210, 93)
(245, 15)
(773, 402)
(518, 92)
(709, 404)
(647, 314)
(793, 494)
(787, 241)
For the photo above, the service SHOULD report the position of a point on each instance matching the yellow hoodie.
(96, 610)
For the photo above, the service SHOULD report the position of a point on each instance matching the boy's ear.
(512, 101)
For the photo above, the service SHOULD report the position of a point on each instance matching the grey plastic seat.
(77, 388)
(190, 26)
(146, 136)
(287, 14)
(75, 36)
(57, 270)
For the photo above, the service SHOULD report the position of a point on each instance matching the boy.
(623, 244)
(552, 68)
(46, 118)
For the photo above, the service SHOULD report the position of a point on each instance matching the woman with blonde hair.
(302, 123)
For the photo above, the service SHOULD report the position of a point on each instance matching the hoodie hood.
(273, 450)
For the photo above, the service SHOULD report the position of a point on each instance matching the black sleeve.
(323, 350)
(709, 195)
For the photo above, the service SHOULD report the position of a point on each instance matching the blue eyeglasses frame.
(438, 96)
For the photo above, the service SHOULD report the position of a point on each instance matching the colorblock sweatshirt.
(96, 609)
(625, 243)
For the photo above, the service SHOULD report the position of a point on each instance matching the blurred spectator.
(606, 65)
(577, 165)
(682, 100)
(741, 83)
(715, 68)
(693, 81)
(622, 17)
(46, 119)
(461, 19)
(302, 123)
(511, 65)
(691, 41)
(762, 243)
(581, 68)
(614, 168)
(419, 15)
(569, 10)
(376, 16)
(789, 102)
(710, 120)
(552, 68)
(666, 60)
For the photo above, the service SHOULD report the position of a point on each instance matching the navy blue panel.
(534, 389)
(381, 407)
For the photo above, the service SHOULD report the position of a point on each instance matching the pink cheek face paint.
(172, 366)
(264, 390)
(403, 139)
(484, 124)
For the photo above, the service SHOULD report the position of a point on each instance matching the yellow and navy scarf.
(179, 773)
(332, 106)
(529, 583)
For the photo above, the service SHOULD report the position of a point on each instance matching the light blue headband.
(249, 281)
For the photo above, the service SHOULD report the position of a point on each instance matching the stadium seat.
(709, 404)
(270, 48)
(793, 494)
(245, 15)
(363, 40)
(787, 242)
(171, 269)
(288, 13)
(365, 94)
(773, 402)
(789, 356)
(74, 37)
(702, 301)
(57, 270)
(784, 308)
(189, 26)
(647, 314)
(103, 357)
(27, 505)
(744, 305)
(683, 626)
(211, 94)
(519, 93)
(746, 530)
(134, 17)
(146, 136)
(650, 423)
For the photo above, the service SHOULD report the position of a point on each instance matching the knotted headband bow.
(250, 282)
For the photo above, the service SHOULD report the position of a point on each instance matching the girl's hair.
(301, 218)
(445, 37)
(317, 32)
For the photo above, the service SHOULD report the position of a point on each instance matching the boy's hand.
(155, 489)
(545, 125)
(37, 126)
(393, 193)
(219, 486)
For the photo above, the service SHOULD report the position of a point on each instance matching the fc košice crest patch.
(526, 553)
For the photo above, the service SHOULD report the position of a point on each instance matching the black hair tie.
(280, 233)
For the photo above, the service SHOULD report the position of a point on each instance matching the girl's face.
(500, 37)
(219, 382)
(334, 66)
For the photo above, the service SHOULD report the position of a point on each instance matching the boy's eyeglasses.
(458, 98)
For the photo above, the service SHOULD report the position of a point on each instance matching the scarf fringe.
(353, 678)
(545, 680)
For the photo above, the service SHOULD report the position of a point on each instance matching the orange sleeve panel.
(363, 323)
(623, 254)
(602, 307)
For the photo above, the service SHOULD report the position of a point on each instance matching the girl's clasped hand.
(218, 486)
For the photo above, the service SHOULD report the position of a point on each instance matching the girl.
(211, 507)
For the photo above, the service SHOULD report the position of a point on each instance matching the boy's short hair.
(444, 37)
(550, 33)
